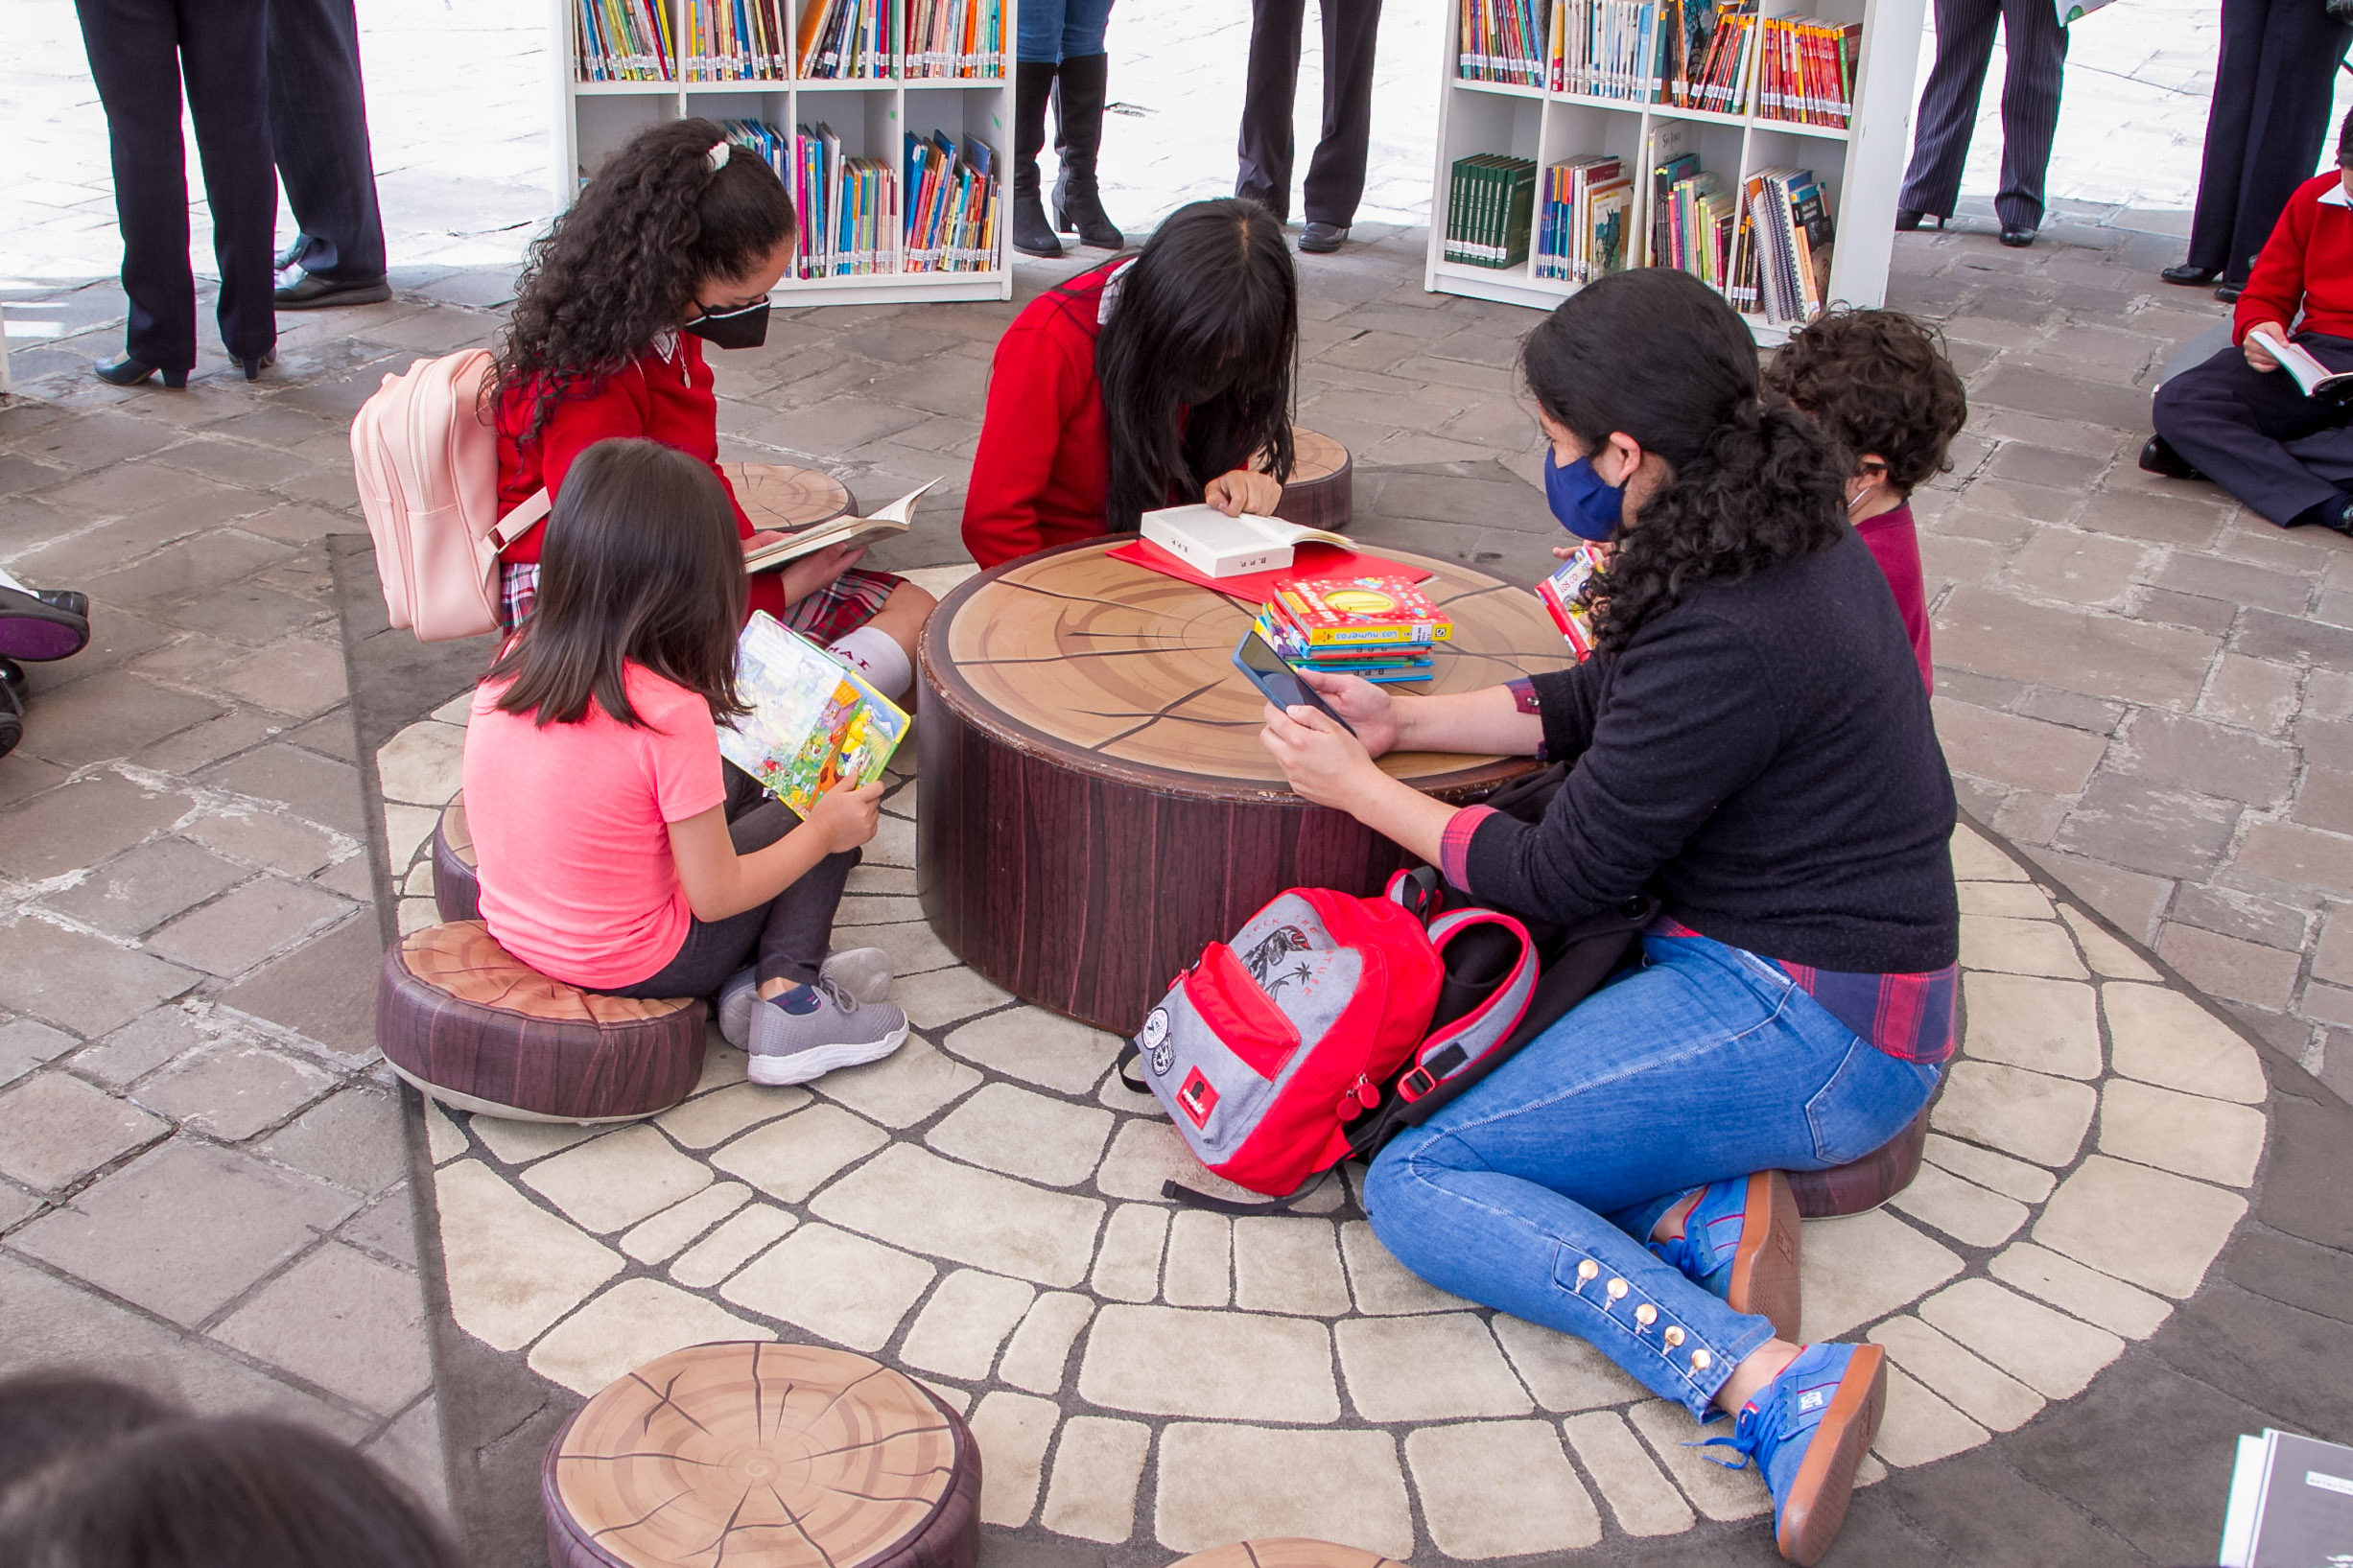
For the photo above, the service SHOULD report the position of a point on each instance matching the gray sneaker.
(811, 1030)
(863, 972)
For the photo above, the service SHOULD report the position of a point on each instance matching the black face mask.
(742, 326)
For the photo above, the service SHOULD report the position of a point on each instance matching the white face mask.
(1870, 486)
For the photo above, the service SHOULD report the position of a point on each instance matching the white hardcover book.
(1217, 546)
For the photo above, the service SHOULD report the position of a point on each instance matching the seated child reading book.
(617, 852)
(2231, 418)
(1878, 383)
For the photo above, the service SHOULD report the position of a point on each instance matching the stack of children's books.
(951, 215)
(625, 40)
(814, 722)
(734, 41)
(953, 38)
(1782, 261)
(1490, 210)
(1503, 40)
(849, 208)
(1581, 230)
(1805, 70)
(1380, 628)
(848, 38)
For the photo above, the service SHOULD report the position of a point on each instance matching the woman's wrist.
(1406, 714)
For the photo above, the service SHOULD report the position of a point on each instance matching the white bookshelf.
(1860, 168)
(871, 115)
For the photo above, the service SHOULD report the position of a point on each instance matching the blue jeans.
(1053, 31)
(1535, 1193)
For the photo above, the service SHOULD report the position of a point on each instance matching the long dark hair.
(1657, 354)
(246, 1489)
(640, 565)
(1206, 318)
(624, 262)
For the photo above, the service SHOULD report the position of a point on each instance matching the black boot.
(1078, 135)
(11, 705)
(1032, 234)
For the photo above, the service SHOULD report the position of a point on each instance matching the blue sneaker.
(1807, 1429)
(1740, 1242)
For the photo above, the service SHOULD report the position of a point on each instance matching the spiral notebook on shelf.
(814, 721)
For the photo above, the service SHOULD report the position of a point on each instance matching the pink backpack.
(426, 457)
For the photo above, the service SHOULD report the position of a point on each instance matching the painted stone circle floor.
(982, 1209)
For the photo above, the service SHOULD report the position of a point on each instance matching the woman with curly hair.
(1749, 745)
(1154, 379)
(1878, 383)
(675, 243)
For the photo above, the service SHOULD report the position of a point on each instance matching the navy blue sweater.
(1761, 757)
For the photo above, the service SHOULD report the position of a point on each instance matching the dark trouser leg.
(1336, 173)
(319, 133)
(2231, 420)
(1270, 84)
(134, 58)
(2287, 126)
(796, 927)
(2038, 49)
(2222, 166)
(222, 48)
(1948, 105)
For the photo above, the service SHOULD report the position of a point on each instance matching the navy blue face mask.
(1586, 504)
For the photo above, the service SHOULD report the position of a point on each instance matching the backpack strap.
(1130, 1052)
(1463, 1040)
(1191, 1198)
(518, 521)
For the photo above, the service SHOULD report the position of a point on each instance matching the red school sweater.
(2307, 262)
(1042, 473)
(665, 399)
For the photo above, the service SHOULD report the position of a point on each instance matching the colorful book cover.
(1362, 611)
(814, 721)
(1563, 594)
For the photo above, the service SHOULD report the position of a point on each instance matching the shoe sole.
(1765, 1265)
(1817, 1503)
(801, 1067)
(376, 295)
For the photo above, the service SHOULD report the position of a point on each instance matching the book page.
(2309, 372)
(814, 721)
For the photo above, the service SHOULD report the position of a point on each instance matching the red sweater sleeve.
(1035, 386)
(622, 409)
(2275, 290)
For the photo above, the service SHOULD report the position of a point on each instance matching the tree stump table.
(1320, 493)
(1286, 1551)
(765, 1456)
(1096, 806)
(780, 496)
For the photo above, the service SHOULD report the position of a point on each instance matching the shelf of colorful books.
(1503, 89)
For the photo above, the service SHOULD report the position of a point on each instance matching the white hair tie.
(720, 151)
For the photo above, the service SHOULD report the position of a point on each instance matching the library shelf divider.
(1859, 168)
(869, 114)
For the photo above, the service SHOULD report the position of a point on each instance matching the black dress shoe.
(12, 717)
(2191, 278)
(313, 292)
(1323, 239)
(254, 364)
(130, 372)
(2229, 292)
(2017, 236)
(2158, 456)
(11, 676)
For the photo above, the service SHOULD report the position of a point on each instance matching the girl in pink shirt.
(618, 852)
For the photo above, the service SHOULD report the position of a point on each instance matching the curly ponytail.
(1657, 354)
(624, 262)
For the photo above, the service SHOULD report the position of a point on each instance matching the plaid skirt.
(833, 612)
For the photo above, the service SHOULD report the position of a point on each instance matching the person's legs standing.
(2036, 47)
(318, 136)
(1270, 87)
(2288, 124)
(2228, 420)
(1081, 84)
(1335, 173)
(1948, 105)
(2222, 170)
(1038, 54)
(133, 47)
(222, 48)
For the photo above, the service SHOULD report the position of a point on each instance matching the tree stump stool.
(472, 1026)
(761, 1455)
(1290, 1551)
(1320, 493)
(1096, 806)
(1867, 1182)
(780, 496)
(457, 885)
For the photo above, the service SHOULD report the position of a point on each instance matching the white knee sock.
(876, 655)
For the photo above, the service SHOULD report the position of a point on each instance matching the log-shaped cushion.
(457, 888)
(768, 1456)
(1320, 493)
(469, 1023)
(1287, 1552)
(1866, 1183)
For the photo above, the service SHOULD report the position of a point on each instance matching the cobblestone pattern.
(984, 1210)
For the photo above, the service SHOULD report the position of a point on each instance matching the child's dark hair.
(624, 262)
(1207, 318)
(1876, 381)
(248, 1490)
(640, 565)
(52, 1423)
(1657, 354)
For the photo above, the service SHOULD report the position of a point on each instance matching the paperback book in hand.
(814, 721)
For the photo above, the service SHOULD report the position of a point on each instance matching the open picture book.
(814, 721)
(793, 540)
(2317, 379)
